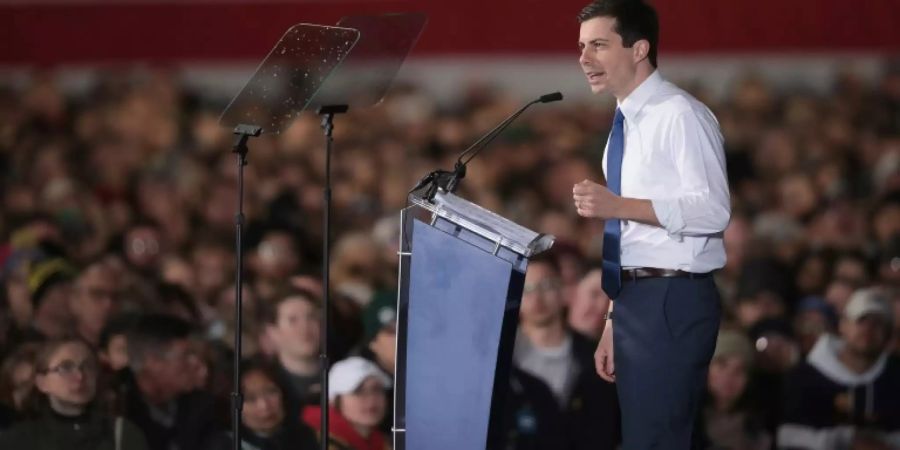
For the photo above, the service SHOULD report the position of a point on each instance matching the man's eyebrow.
(594, 41)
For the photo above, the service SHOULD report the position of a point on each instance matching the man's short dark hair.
(290, 294)
(116, 326)
(635, 20)
(550, 258)
(152, 334)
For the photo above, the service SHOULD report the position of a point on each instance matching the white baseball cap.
(347, 375)
(868, 301)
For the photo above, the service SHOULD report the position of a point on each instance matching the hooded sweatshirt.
(826, 404)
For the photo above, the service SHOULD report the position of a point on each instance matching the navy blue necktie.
(612, 230)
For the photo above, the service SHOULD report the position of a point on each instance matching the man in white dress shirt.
(663, 210)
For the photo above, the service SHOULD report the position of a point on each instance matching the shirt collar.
(636, 100)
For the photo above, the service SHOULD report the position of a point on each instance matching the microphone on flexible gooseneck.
(448, 181)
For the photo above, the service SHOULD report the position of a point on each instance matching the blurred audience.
(118, 218)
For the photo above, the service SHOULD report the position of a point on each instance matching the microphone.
(547, 98)
(450, 180)
(459, 169)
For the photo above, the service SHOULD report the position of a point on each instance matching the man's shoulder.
(673, 102)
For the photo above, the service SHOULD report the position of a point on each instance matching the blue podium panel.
(462, 309)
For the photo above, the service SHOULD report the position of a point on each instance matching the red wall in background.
(92, 31)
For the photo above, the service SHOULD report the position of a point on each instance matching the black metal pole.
(244, 132)
(327, 113)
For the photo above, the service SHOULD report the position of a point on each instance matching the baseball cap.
(818, 304)
(379, 313)
(733, 343)
(868, 301)
(347, 375)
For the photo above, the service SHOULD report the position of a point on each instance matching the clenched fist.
(595, 200)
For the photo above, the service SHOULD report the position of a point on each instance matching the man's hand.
(603, 357)
(595, 200)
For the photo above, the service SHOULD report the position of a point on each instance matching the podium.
(462, 271)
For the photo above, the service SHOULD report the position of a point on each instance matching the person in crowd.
(16, 298)
(763, 292)
(533, 419)
(563, 360)
(587, 311)
(157, 389)
(276, 258)
(846, 394)
(173, 300)
(357, 395)
(16, 382)
(356, 270)
(264, 422)
(379, 343)
(777, 353)
(294, 330)
(213, 263)
(67, 416)
(112, 346)
(50, 283)
(94, 300)
(813, 318)
(731, 420)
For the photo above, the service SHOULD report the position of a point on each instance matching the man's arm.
(704, 204)
(595, 200)
(703, 208)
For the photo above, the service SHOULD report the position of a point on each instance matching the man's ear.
(641, 50)
(272, 333)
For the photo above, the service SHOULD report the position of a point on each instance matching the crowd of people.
(118, 267)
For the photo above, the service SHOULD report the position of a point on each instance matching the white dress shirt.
(673, 156)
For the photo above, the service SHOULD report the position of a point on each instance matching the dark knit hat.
(45, 274)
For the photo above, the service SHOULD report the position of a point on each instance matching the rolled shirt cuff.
(668, 212)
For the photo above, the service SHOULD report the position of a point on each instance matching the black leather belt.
(651, 272)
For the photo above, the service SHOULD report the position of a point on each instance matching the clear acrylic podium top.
(487, 224)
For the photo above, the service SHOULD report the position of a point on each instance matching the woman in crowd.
(16, 382)
(264, 425)
(731, 423)
(66, 415)
(357, 395)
